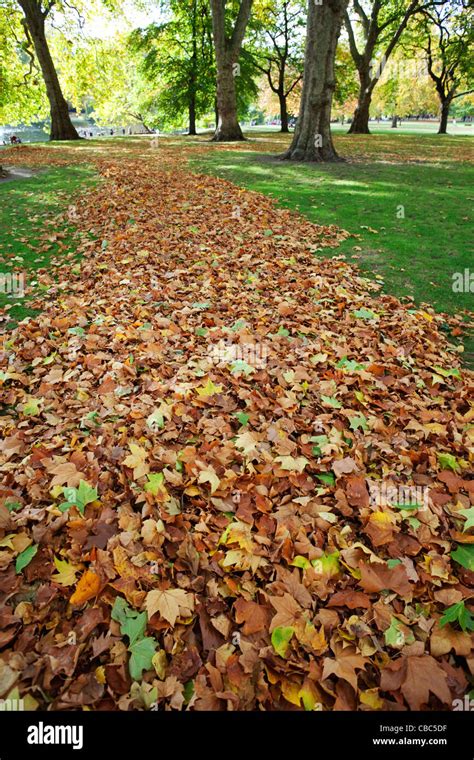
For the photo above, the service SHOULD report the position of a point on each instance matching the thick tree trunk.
(360, 120)
(283, 112)
(228, 127)
(227, 50)
(62, 127)
(312, 140)
(443, 122)
(394, 121)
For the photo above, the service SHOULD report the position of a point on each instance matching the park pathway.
(242, 412)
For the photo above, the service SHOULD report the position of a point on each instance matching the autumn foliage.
(200, 528)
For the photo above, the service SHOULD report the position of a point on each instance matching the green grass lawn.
(30, 236)
(407, 200)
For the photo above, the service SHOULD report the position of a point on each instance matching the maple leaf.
(247, 442)
(66, 574)
(88, 586)
(469, 515)
(136, 461)
(281, 638)
(209, 475)
(32, 407)
(66, 472)
(291, 463)
(171, 604)
(416, 677)
(155, 483)
(254, 616)
(288, 611)
(209, 389)
(345, 667)
(375, 578)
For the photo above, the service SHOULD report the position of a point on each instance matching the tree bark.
(443, 122)
(192, 115)
(360, 120)
(62, 127)
(227, 53)
(394, 121)
(283, 112)
(312, 140)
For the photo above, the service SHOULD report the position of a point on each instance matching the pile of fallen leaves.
(205, 436)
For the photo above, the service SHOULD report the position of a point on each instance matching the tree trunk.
(283, 112)
(228, 127)
(312, 140)
(443, 122)
(227, 50)
(193, 75)
(360, 120)
(62, 127)
(192, 115)
(394, 121)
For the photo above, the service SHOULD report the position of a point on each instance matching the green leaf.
(155, 483)
(240, 366)
(391, 563)
(132, 623)
(25, 557)
(331, 401)
(85, 493)
(359, 422)
(12, 506)
(155, 420)
(469, 515)
(349, 364)
(141, 655)
(242, 417)
(32, 407)
(188, 691)
(364, 313)
(283, 331)
(400, 505)
(328, 564)
(201, 331)
(300, 561)
(464, 555)
(281, 637)
(76, 331)
(448, 372)
(393, 635)
(119, 610)
(319, 440)
(448, 461)
(134, 626)
(397, 634)
(327, 478)
(458, 613)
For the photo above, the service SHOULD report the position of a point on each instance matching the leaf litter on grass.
(233, 476)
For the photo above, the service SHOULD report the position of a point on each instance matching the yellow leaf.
(88, 586)
(209, 389)
(66, 574)
(100, 674)
(136, 461)
(209, 476)
(370, 697)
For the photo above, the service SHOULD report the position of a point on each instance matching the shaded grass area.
(31, 235)
(406, 200)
